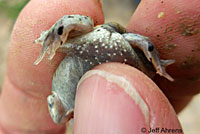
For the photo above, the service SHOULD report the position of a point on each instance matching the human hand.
(100, 106)
(174, 27)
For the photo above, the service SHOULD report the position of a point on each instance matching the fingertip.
(34, 82)
(103, 107)
(115, 97)
(36, 17)
(173, 27)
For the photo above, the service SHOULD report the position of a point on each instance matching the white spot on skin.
(69, 45)
(83, 48)
(78, 47)
(85, 45)
(107, 40)
(109, 54)
(100, 40)
(102, 44)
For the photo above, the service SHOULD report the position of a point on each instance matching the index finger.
(23, 100)
(174, 28)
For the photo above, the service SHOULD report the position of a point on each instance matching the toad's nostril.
(61, 43)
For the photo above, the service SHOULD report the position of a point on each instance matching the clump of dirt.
(189, 62)
(188, 30)
(188, 27)
(161, 15)
(168, 29)
(170, 46)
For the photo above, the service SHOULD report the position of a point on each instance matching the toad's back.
(105, 44)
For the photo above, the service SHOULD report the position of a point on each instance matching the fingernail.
(107, 103)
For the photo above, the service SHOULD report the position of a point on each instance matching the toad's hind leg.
(64, 84)
(68, 26)
(150, 52)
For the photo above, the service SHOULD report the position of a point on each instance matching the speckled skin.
(87, 46)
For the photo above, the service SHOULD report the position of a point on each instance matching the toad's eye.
(60, 30)
(150, 47)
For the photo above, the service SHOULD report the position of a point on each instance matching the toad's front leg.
(59, 32)
(151, 53)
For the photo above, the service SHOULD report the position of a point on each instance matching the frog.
(87, 46)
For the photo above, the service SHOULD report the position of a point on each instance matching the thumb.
(116, 98)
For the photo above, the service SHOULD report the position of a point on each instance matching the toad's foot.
(150, 52)
(67, 26)
(57, 110)
(70, 114)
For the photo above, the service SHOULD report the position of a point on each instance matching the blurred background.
(114, 10)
